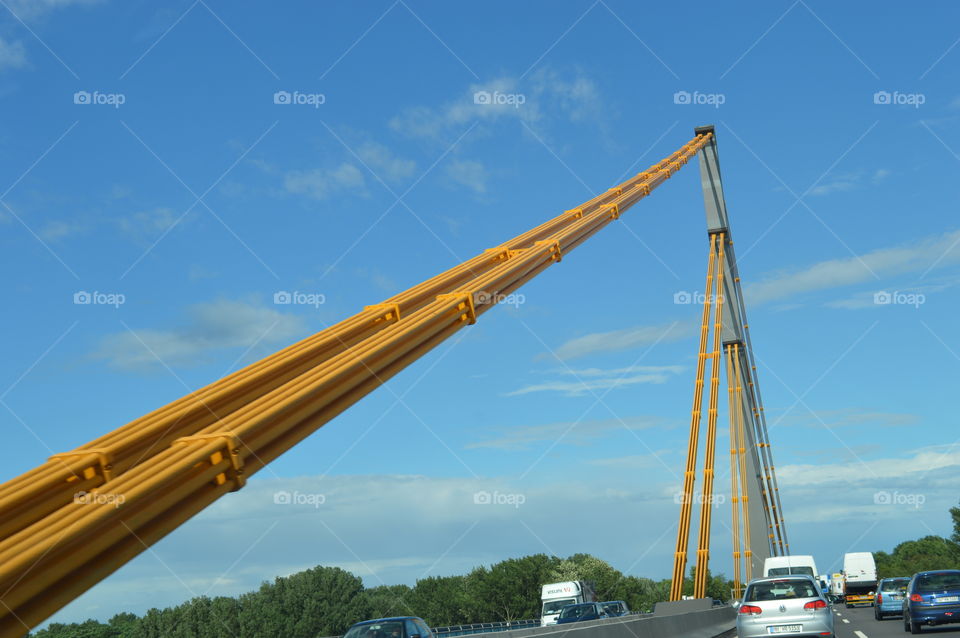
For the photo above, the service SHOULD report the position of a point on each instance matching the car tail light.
(879, 598)
(750, 609)
(816, 604)
(916, 598)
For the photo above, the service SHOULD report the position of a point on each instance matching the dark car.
(578, 612)
(615, 608)
(932, 598)
(398, 627)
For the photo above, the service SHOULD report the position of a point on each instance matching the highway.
(858, 622)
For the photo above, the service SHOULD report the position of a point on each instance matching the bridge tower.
(756, 512)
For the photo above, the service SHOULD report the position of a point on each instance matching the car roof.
(938, 571)
(376, 620)
(768, 579)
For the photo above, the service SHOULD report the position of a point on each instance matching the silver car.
(784, 606)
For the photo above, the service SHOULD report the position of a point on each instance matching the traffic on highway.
(791, 600)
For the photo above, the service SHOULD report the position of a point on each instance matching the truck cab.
(556, 596)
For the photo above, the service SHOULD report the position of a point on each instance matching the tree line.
(325, 601)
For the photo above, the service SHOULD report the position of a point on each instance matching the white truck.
(859, 578)
(836, 587)
(557, 595)
(787, 565)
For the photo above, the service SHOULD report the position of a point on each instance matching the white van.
(787, 565)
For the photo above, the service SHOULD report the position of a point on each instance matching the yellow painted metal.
(706, 501)
(736, 412)
(741, 444)
(689, 475)
(151, 475)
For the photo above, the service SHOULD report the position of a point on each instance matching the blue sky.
(146, 159)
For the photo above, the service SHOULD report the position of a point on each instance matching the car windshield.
(553, 606)
(576, 611)
(938, 581)
(781, 590)
(387, 629)
(894, 585)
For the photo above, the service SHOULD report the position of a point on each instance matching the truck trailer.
(859, 579)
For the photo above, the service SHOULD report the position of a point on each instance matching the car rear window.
(781, 590)
(894, 585)
(938, 581)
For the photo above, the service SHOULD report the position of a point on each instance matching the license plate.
(948, 599)
(785, 629)
(896, 597)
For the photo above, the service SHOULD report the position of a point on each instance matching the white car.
(784, 606)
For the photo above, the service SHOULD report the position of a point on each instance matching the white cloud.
(36, 8)
(547, 93)
(569, 432)
(876, 472)
(150, 223)
(914, 256)
(625, 339)
(57, 229)
(13, 55)
(320, 183)
(850, 181)
(213, 326)
(469, 173)
(390, 167)
(596, 379)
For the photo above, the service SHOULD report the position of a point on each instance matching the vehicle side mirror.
(735, 604)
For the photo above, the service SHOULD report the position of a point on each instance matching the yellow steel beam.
(690, 473)
(706, 501)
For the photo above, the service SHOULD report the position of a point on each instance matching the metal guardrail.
(484, 627)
